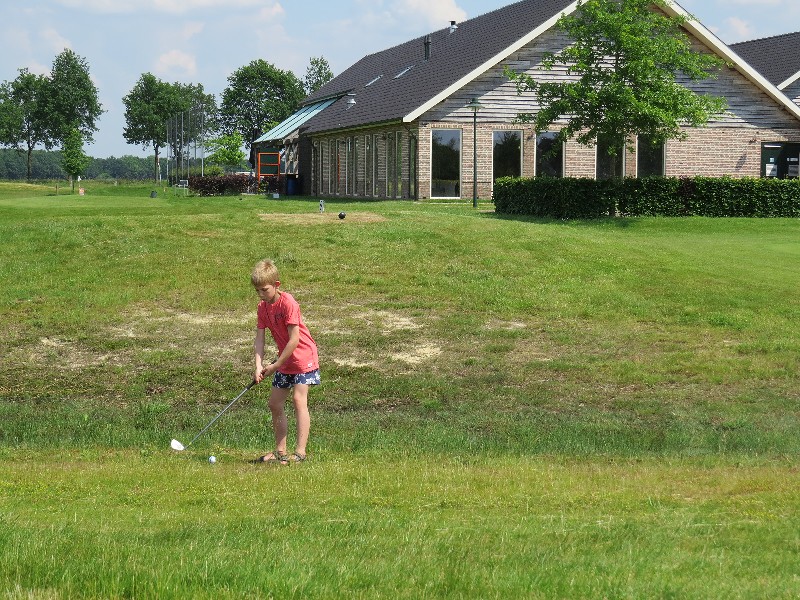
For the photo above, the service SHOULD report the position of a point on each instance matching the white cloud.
(54, 40)
(160, 6)
(437, 13)
(19, 39)
(176, 63)
(738, 29)
(191, 29)
(756, 3)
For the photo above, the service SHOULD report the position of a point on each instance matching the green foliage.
(24, 116)
(73, 159)
(48, 165)
(73, 101)
(623, 67)
(221, 185)
(571, 198)
(147, 107)
(258, 95)
(152, 103)
(558, 198)
(318, 74)
(226, 150)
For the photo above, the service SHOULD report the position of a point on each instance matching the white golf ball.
(212, 459)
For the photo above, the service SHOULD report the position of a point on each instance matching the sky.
(205, 41)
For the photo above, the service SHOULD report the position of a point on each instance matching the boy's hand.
(265, 372)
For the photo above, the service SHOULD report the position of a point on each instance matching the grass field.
(510, 408)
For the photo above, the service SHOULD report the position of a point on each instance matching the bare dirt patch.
(64, 354)
(418, 354)
(318, 218)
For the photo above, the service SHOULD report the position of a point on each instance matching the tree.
(152, 103)
(318, 74)
(147, 107)
(626, 57)
(73, 103)
(73, 159)
(258, 96)
(226, 150)
(24, 121)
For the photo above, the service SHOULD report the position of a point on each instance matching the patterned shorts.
(284, 381)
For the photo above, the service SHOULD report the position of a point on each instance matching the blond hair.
(264, 273)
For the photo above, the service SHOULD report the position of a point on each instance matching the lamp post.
(474, 106)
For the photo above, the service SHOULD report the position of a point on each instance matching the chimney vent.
(453, 26)
(427, 44)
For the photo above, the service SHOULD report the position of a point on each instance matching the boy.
(297, 365)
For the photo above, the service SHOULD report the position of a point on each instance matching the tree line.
(48, 165)
(40, 113)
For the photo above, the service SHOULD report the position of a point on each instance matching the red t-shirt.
(277, 317)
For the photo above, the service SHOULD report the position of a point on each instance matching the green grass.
(510, 407)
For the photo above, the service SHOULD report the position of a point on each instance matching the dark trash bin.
(292, 187)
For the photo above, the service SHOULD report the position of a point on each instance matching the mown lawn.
(510, 407)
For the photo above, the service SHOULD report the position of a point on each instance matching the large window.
(375, 164)
(394, 165)
(507, 154)
(369, 173)
(446, 163)
(549, 155)
(610, 159)
(649, 158)
(316, 169)
(333, 168)
(412, 167)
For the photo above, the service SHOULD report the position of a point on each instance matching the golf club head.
(176, 445)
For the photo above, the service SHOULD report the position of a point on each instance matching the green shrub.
(221, 185)
(573, 198)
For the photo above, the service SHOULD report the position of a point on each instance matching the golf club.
(176, 445)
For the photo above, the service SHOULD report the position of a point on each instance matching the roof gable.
(454, 57)
(777, 58)
(399, 85)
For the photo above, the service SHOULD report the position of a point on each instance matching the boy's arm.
(258, 347)
(294, 340)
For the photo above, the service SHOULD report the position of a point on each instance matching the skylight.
(403, 72)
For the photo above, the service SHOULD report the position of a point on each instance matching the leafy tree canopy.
(623, 68)
(318, 74)
(24, 121)
(226, 150)
(258, 96)
(73, 103)
(152, 103)
(73, 159)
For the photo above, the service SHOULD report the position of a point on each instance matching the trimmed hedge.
(573, 198)
(233, 184)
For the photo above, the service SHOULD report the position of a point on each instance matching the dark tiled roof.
(452, 57)
(776, 58)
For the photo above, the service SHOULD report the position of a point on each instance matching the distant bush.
(221, 185)
(559, 198)
(574, 198)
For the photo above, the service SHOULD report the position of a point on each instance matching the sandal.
(298, 458)
(272, 458)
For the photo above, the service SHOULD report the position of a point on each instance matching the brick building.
(398, 123)
(777, 58)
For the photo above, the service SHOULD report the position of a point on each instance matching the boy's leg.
(300, 399)
(277, 406)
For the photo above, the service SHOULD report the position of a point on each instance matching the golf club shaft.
(222, 412)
